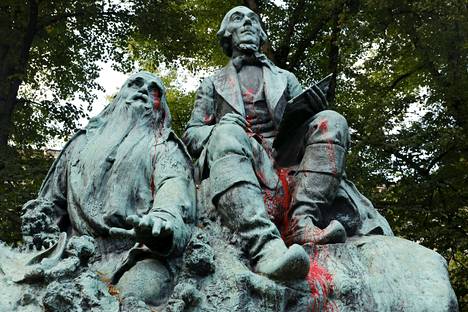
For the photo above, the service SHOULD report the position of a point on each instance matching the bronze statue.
(125, 180)
(232, 130)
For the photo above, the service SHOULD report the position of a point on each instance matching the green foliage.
(51, 48)
(179, 31)
(400, 77)
(21, 175)
(180, 103)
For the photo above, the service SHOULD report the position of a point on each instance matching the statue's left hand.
(146, 229)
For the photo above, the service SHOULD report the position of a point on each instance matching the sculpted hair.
(224, 35)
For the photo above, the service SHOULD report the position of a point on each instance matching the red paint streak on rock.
(321, 285)
(323, 127)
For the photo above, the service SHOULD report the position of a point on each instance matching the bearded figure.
(125, 180)
(233, 125)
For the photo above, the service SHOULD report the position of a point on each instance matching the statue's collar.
(258, 59)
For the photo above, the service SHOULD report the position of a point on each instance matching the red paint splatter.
(323, 127)
(156, 94)
(156, 99)
(321, 285)
(249, 95)
(209, 120)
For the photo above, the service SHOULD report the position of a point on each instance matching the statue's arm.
(42, 217)
(174, 197)
(202, 121)
(294, 88)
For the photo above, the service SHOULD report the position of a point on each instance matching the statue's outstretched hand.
(233, 118)
(146, 229)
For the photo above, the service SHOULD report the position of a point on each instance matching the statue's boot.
(318, 181)
(242, 209)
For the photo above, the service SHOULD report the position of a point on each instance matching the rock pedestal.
(372, 273)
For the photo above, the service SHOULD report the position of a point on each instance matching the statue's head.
(241, 29)
(142, 99)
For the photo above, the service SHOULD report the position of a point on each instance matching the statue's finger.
(145, 223)
(238, 120)
(157, 225)
(241, 119)
(134, 220)
(118, 232)
(168, 226)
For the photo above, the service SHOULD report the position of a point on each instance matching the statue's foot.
(279, 262)
(306, 232)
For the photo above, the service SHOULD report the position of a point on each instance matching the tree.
(399, 77)
(52, 45)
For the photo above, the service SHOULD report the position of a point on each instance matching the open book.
(298, 111)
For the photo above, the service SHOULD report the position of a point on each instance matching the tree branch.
(52, 20)
(403, 77)
(285, 47)
(307, 41)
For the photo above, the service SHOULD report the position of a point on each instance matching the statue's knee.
(332, 118)
(228, 139)
(328, 126)
(148, 280)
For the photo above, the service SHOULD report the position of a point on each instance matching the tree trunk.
(8, 93)
(333, 55)
(13, 65)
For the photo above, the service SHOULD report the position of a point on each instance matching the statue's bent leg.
(318, 179)
(237, 196)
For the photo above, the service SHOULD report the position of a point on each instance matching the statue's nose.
(143, 89)
(247, 21)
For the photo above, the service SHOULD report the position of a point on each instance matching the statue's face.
(141, 89)
(244, 26)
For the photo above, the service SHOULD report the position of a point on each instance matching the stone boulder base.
(374, 273)
(382, 273)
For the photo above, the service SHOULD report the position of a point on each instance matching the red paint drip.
(323, 127)
(321, 285)
(277, 202)
(152, 185)
(156, 106)
(208, 120)
(156, 99)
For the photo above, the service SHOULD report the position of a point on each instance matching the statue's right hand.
(233, 118)
(145, 229)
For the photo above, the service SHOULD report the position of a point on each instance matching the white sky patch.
(280, 3)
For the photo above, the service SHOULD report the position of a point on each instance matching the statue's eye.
(135, 83)
(236, 17)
